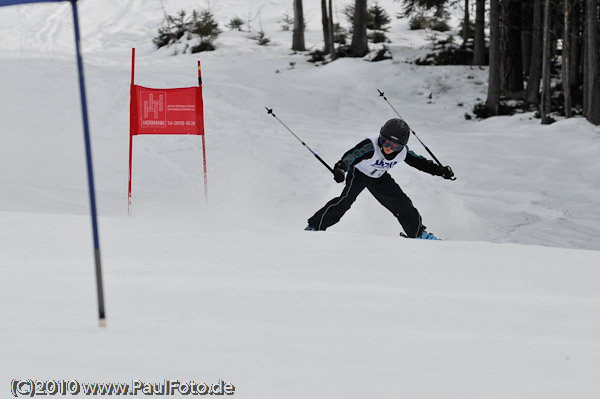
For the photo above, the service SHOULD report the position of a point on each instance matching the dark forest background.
(542, 54)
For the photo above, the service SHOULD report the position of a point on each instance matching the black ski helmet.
(395, 130)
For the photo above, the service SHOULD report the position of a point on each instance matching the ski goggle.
(390, 144)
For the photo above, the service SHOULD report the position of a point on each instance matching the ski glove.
(447, 172)
(339, 173)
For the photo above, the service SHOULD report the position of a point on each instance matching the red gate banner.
(165, 111)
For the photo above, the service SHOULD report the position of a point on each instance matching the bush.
(202, 46)
(422, 21)
(506, 107)
(379, 55)
(235, 23)
(173, 29)
(287, 22)
(262, 38)
(205, 26)
(199, 24)
(340, 35)
(378, 37)
(316, 56)
(440, 25)
(446, 52)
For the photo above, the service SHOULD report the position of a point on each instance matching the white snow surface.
(232, 288)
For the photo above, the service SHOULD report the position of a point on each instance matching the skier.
(367, 166)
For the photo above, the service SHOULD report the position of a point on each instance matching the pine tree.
(379, 19)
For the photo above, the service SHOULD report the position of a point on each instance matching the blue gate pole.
(88, 153)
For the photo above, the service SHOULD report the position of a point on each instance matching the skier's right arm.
(361, 151)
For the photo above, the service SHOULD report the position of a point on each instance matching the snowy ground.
(232, 288)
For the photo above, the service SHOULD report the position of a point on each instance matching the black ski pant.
(384, 189)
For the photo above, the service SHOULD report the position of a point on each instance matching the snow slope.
(232, 288)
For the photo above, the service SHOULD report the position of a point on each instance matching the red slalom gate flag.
(165, 111)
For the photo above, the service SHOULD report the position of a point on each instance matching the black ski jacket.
(366, 150)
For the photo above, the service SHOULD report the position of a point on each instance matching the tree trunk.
(513, 63)
(592, 113)
(535, 66)
(466, 25)
(584, 61)
(325, 23)
(479, 46)
(576, 69)
(526, 35)
(298, 36)
(566, 55)
(545, 104)
(359, 47)
(493, 96)
(331, 33)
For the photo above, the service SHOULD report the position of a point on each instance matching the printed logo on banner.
(153, 112)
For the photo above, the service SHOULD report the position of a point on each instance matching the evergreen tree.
(412, 6)
(379, 19)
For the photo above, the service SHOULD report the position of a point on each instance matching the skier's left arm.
(427, 166)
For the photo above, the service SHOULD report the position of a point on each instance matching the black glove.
(447, 173)
(339, 172)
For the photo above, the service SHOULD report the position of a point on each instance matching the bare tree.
(328, 28)
(545, 103)
(576, 33)
(512, 63)
(492, 102)
(592, 86)
(325, 23)
(566, 56)
(479, 45)
(298, 35)
(466, 23)
(526, 34)
(331, 33)
(532, 92)
(359, 47)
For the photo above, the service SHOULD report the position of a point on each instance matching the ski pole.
(381, 94)
(270, 112)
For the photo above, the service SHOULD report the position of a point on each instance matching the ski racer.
(366, 166)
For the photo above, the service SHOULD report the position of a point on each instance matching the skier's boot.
(426, 236)
(309, 228)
